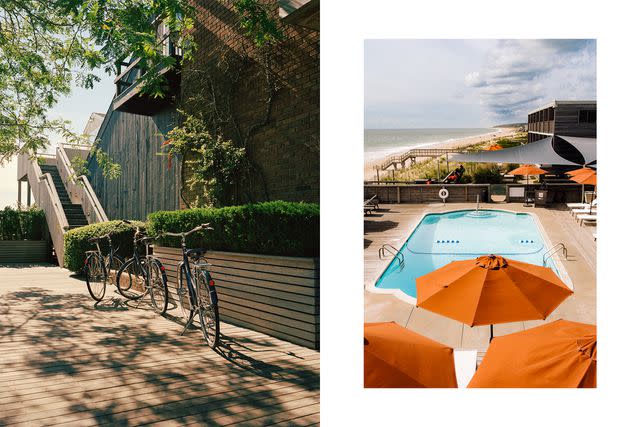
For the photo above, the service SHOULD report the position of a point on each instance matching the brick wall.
(284, 149)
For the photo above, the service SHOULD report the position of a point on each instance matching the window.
(587, 116)
(551, 113)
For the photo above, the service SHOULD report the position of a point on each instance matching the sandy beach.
(370, 164)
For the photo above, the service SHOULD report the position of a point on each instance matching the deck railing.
(418, 152)
(46, 196)
(80, 190)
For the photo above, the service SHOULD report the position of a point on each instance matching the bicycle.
(142, 275)
(201, 296)
(100, 269)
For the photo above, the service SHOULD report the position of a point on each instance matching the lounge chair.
(582, 205)
(371, 205)
(466, 362)
(586, 210)
(586, 217)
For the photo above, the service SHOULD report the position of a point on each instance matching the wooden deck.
(66, 360)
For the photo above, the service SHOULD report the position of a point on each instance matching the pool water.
(460, 235)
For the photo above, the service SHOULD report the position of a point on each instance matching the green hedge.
(26, 224)
(487, 175)
(76, 244)
(269, 228)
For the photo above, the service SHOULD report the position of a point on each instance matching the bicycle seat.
(93, 239)
(196, 253)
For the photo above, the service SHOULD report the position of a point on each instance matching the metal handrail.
(554, 249)
(392, 250)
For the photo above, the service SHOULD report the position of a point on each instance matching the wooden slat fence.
(13, 251)
(279, 296)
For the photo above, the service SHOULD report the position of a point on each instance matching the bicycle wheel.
(95, 276)
(113, 267)
(131, 280)
(208, 303)
(157, 282)
(182, 291)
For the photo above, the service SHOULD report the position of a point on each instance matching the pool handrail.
(392, 250)
(552, 251)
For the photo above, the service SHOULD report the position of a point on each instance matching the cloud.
(519, 75)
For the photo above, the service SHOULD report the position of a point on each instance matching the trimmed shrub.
(487, 175)
(76, 241)
(28, 224)
(269, 228)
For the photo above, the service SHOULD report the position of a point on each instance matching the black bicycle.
(143, 275)
(100, 269)
(196, 289)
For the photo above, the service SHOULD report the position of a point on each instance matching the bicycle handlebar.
(205, 226)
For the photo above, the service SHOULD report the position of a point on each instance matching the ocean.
(380, 143)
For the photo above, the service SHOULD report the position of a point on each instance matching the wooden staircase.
(73, 212)
(67, 203)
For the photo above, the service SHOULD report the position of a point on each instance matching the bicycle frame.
(193, 294)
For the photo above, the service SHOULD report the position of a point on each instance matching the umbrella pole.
(491, 337)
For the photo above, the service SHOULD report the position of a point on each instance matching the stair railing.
(46, 196)
(80, 190)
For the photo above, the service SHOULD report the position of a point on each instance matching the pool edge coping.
(563, 273)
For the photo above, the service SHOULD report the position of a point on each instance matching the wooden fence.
(279, 296)
(13, 251)
(422, 193)
(459, 193)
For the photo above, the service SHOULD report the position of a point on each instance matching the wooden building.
(563, 118)
(281, 137)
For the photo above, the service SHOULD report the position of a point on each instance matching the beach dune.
(372, 162)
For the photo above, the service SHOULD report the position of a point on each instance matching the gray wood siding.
(566, 121)
(146, 184)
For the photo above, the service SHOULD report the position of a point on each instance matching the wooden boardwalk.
(67, 361)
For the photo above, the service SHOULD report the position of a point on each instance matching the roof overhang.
(305, 13)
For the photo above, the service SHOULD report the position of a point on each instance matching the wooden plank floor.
(67, 361)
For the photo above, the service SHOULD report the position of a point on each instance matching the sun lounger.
(466, 364)
(588, 218)
(586, 210)
(582, 205)
(371, 205)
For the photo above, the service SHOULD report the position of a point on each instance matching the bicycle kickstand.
(188, 324)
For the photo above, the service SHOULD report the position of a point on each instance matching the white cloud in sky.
(471, 83)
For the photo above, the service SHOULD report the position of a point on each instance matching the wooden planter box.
(14, 251)
(279, 296)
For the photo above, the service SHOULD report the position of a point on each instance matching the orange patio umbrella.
(528, 170)
(494, 147)
(586, 178)
(579, 171)
(557, 354)
(395, 357)
(491, 289)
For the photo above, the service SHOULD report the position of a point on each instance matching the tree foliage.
(48, 46)
(215, 163)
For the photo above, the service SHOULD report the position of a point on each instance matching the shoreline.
(370, 164)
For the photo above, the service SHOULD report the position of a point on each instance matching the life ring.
(443, 193)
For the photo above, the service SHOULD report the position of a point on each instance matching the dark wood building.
(563, 118)
(281, 137)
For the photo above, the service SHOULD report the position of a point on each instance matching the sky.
(76, 108)
(471, 83)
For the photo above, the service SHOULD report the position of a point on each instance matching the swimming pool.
(466, 234)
